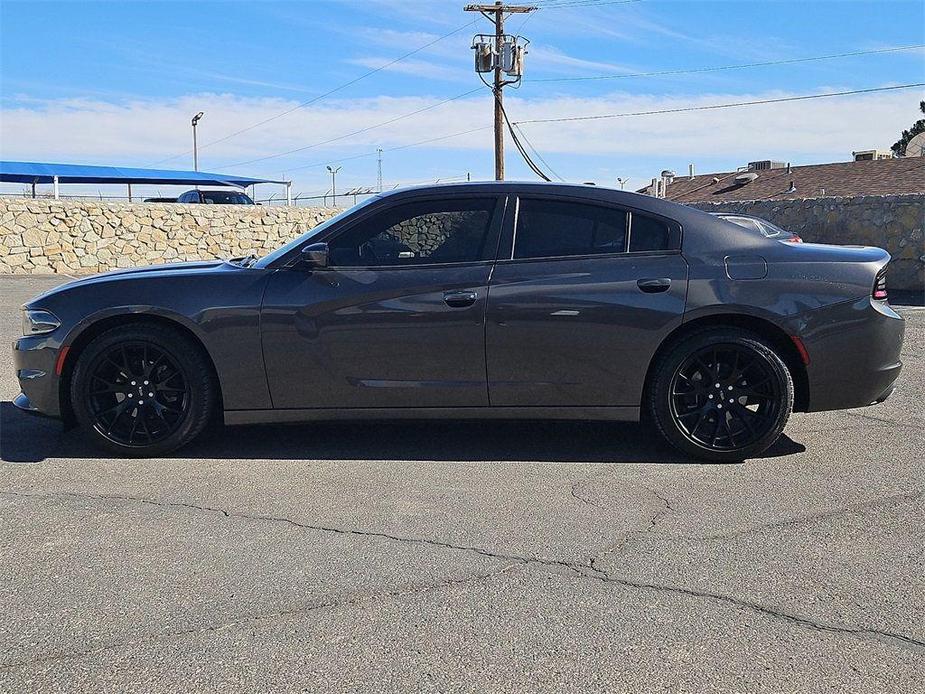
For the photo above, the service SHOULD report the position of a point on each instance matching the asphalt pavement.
(444, 556)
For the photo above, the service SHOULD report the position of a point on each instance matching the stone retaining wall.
(893, 222)
(68, 236)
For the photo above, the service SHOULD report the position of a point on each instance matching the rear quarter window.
(650, 234)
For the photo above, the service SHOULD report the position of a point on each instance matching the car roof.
(638, 201)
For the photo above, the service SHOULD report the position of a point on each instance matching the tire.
(143, 390)
(722, 394)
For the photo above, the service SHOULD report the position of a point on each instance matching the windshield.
(221, 197)
(763, 226)
(772, 229)
(312, 233)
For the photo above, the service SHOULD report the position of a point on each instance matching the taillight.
(794, 239)
(879, 292)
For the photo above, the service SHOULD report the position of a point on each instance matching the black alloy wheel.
(723, 394)
(143, 389)
(138, 394)
(725, 397)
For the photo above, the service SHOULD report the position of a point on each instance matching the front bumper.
(35, 358)
(854, 350)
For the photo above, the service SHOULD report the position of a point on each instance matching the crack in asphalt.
(890, 637)
(555, 563)
(582, 499)
(576, 570)
(624, 541)
(247, 619)
(859, 507)
(882, 420)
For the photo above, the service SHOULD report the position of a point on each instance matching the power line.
(520, 148)
(357, 132)
(327, 93)
(539, 156)
(738, 66)
(552, 5)
(711, 107)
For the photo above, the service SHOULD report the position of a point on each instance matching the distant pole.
(379, 171)
(622, 182)
(129, 185)
(57, 191)
(195, 148)
(334, 184)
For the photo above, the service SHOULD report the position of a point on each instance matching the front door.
(396, 320)
(579, 307)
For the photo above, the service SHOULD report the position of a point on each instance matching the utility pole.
(379, 170)
(503, 46)
(195, 150)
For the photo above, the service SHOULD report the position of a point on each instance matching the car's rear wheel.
(143, 390)
(723, 394)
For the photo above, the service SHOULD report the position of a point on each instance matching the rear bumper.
(854, 351)
(35, 360)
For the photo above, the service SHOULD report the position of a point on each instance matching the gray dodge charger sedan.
(505, 300)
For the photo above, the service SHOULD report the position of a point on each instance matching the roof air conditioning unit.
(765, 165)
(871, 155)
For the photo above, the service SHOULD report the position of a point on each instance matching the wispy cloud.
(139, 132)
(554, 60)
(417, 68)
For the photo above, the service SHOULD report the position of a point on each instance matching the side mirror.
(314, 255)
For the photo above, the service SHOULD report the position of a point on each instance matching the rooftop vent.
(871, 155)
(765, 165)
(744, 178)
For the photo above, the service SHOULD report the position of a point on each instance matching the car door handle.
(460, 299)
(654, 285)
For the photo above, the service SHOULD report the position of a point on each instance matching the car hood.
(166, 269)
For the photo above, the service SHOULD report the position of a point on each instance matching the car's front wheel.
(723, 394)
(143, 389)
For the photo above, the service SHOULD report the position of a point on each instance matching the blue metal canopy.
(35, 172)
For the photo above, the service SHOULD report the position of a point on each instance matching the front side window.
(554, 228)
(416, 233)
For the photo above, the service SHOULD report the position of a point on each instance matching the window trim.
(673, 226)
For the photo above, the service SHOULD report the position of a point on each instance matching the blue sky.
(116, 83)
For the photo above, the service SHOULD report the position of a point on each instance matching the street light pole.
(333, 184)
(195, 150)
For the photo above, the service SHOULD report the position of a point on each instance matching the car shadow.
(25, 438)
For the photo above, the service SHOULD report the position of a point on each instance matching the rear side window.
(553, 228)
(648, 234)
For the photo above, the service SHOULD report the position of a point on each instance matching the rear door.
(396, 320)
(580, 298)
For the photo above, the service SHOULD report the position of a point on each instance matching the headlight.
(38, 322)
